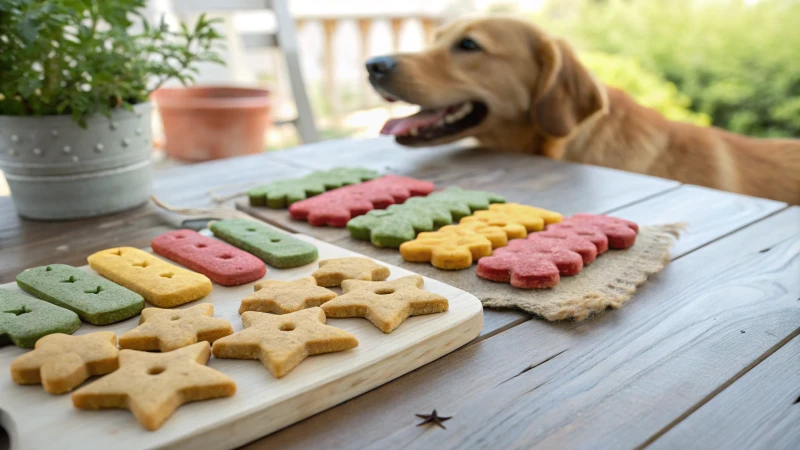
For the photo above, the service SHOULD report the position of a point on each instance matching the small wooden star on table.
(433, 418)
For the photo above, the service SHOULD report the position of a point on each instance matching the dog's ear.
(566, 93)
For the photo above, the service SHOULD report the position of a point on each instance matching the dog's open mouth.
(434, 124)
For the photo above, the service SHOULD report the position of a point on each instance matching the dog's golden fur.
(542, 100)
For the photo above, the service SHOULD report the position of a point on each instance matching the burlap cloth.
(608, 282)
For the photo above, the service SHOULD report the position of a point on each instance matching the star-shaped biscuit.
(283, 297)
(332, 272)
(282, 342)
(385, 303)
(170, 329)
(61, 362)
(153, 385)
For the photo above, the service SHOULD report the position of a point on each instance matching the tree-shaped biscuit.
(516, 220)
(170, 329)
(385, 303)
(153, 385)
(61, 362)
(621, 233)
(332, 272)
(450, 249)
(283, 297)
(531, 264)
(283, 342)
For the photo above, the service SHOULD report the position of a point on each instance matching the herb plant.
(82, 57)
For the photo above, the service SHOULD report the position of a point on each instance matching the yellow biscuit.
(159, 282)
(61, 362)
(283, 342)
(515, 219)
(385, 303)
(153, 385)
(170, 329)
(452, 249)
(496, 235)
(332, 272)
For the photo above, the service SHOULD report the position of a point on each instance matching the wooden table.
(706, 355)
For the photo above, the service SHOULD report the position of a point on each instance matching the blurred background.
(734, 64)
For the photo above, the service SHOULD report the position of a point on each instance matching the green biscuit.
(282, 193)
(273, 247)
(23, 320)
(401, 223)
(95, 299)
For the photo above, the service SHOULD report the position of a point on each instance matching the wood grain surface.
(616, 379)
(761, 409)
(708, 338)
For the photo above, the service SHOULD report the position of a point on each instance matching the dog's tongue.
(403, 125)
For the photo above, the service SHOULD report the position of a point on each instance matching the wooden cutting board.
(35, 419)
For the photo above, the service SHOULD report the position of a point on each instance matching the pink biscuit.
(335, 208)
(571, 241)
(583, 230)
(222, 263)
(621, 233)
(531, 264)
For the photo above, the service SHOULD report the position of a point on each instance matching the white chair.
(284, 39)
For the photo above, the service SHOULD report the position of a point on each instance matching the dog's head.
(481, 75)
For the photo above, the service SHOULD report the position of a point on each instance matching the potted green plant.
(75, 76)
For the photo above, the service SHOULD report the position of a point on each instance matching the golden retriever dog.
(515, 88)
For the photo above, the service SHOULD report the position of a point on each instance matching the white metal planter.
(58, 170)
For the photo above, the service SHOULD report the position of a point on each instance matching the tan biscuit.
(61, 362)
(153, 385)
(169, 329)
(283, 297)
(332, 272)
(283, 342)
(385, 303)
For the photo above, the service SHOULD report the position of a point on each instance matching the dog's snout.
(380, 65)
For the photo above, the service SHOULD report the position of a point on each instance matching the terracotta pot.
(212, 122)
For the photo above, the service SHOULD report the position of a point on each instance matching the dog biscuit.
(530, 264)
(273, 247)
(516, 220)
(24, 320)
(61, 362)
(332, 272)
(283, 342)
(336, 207)
(222, 263)
(159, 282)
(621, 233)
(95, 299)
(402, 223)
(153, 385)
(283, 297)
(450, 248)
(385, 303)
(165, 330)
(282, 193)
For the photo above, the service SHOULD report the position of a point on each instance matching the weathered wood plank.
(759, 411)
(709, 213)
(615, 379)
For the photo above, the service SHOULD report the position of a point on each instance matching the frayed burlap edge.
(609, 282)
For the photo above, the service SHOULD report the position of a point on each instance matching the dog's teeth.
(413, 132)
(467, 108)
(450, 118)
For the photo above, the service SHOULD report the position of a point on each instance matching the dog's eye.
(467, 45)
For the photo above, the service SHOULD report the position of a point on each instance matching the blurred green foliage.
(646, 87)
(737, 63)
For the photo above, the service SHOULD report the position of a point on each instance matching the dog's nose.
(380, 65)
